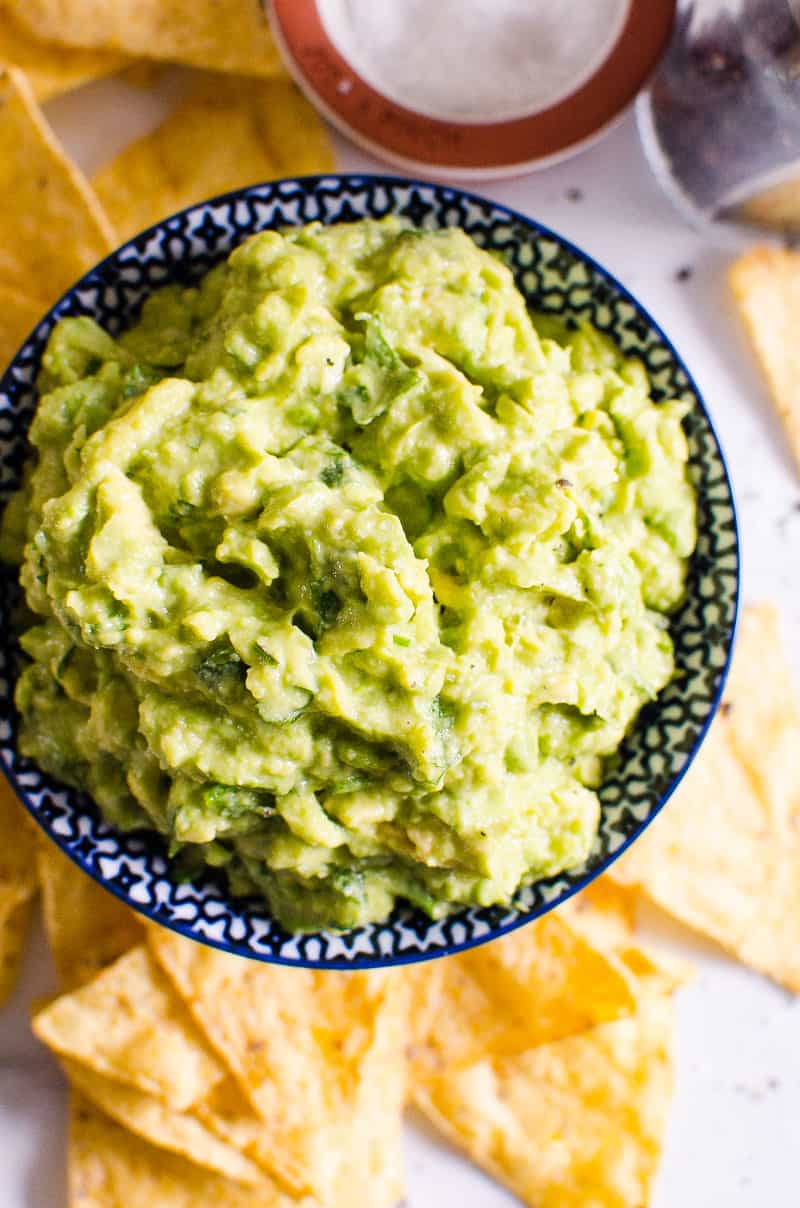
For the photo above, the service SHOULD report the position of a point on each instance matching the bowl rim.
(537, 229)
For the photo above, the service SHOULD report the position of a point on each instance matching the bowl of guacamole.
(377, 570)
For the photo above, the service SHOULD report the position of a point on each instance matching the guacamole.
(347, 574)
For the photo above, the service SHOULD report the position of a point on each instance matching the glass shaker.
(720, 120)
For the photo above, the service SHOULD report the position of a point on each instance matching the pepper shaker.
(720, 119)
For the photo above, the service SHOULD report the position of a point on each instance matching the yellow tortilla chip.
(223, 35)
(371, 1171)
(766, 286)
(19, 314)
(18, 875)
(51, 69)
(544, 981)
(14, 923)
(723, 856)
(109, 1167)
(777, 207)
(150, 1119)
(87, 927)
(144, 73)
(606, 913)
(129, 1024)
(18, 884)
(565, 1125)
(52, 227)
(253, 130)
(302, 1046)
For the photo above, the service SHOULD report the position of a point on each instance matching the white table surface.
(735, 1125)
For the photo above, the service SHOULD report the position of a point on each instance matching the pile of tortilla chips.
(201, 1078)
(239, 121)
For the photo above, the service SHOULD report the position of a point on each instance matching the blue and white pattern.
(555, 277)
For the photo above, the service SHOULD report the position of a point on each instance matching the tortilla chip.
(253, 130)
(766, 286)
(109, 1167)
(14, 923)
(144, 73)
(129, 1024)
(87, 927)
(724, 854)
(150, 1119)
(568, 1124)
(605, 912)
(543, 981)
(52, 227)
(371, 1172)
(18, 876)
(777, 207)
(19, 314)
(51, 69)
(302, 1046)
(18, 884)
(222, 35)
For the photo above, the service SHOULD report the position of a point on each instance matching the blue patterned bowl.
(554, 276)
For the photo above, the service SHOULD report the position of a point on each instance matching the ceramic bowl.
(555, 277)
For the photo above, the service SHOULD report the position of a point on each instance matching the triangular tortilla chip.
(19, 314)
(51, 69)
(723, 856)
(543, 981)
(223, 35)
(52, 227)
(87, 927)
(766, 286)
(129, 1024)
(18, 874)
(565, 1125)
(606, 914)
(303, 1045)
(111, 1168)
(18, 884)
(14, 924)
(151, 1119)
(253, 130)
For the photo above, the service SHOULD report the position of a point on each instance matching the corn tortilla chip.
(724, 854)
(129, 1025)
(144, 73)
(605, 912)
(223, 35)
(109, 1167)
(14, 924)
(87, 927)
(766, 286)
(19, 314)
(565, 1125)
(18, 884)
(51, 69)
(52, 228)
(777, 207)
(371, 1171)
(301, 1045)
(150, 1119)
(253, 130)
(18, 875)
(543, 981)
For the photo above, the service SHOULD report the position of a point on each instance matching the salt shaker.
(720, 120)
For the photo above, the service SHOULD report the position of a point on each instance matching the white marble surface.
(735, 1124)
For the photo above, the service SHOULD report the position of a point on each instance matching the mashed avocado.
(346, 576)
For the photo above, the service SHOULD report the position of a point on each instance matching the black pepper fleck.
(685, 273)
(574, 194)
